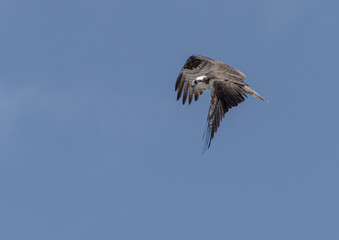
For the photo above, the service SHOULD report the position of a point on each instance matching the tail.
(250, 91)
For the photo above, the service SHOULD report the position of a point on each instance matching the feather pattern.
(226, 84)
(224, 96)
(195, 66)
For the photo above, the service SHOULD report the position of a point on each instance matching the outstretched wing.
(195, 66)
(224, 96)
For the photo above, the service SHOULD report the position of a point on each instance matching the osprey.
(226, 85)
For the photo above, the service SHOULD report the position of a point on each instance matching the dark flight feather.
(226, 84)
(224, 96)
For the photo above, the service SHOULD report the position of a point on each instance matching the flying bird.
(226, 84)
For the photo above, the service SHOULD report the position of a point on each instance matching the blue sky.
(94, 145)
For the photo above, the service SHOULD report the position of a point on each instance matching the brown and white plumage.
(226, 85)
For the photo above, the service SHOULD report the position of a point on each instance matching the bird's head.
(198, 80)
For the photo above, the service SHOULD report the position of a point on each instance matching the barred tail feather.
(250, 91)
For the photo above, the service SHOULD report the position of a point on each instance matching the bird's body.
(226, 84)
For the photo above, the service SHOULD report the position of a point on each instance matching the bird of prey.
(226, 84)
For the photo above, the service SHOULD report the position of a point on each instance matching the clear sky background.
(94, 145)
